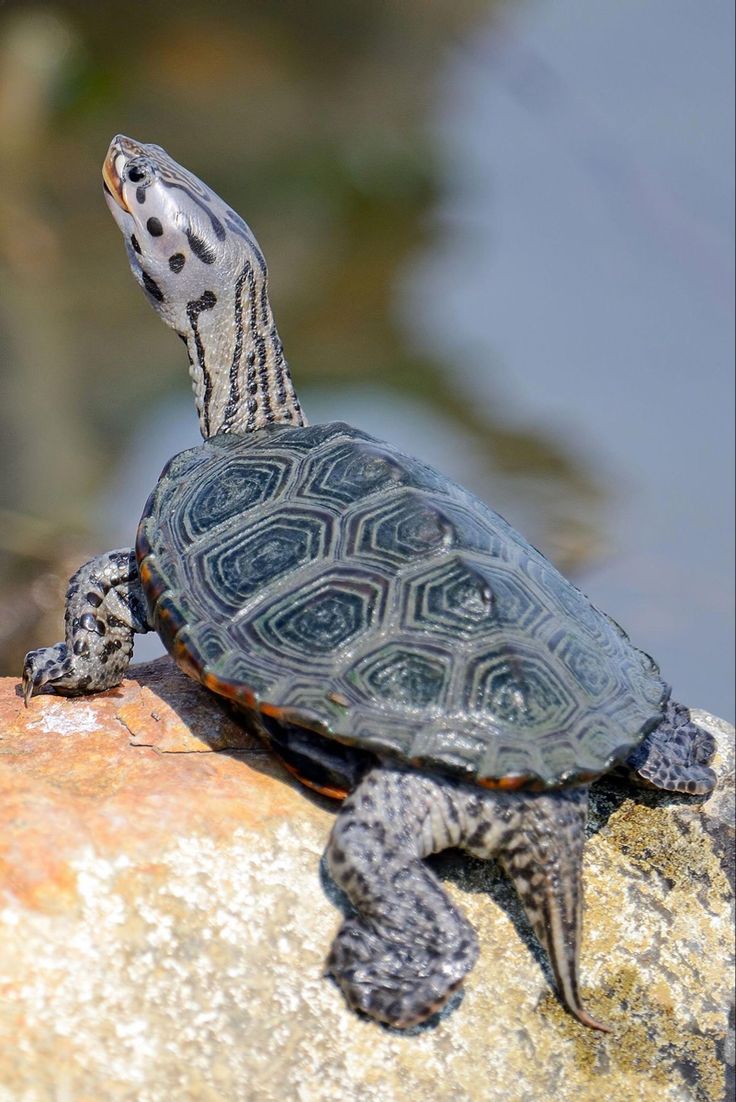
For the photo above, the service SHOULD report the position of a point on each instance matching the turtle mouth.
(111, 178)
(122, 149)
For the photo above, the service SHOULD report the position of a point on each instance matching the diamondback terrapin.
(393, 639)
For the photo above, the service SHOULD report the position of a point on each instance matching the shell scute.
(324, 576)
(325, 615)
(395, 673)
(236, 568)
(238, 486)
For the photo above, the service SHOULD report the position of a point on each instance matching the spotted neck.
(204, 273)
(239, 374)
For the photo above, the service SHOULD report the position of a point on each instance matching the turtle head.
(184, 243)
(202, 270)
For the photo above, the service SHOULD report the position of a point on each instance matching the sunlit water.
(583, 249)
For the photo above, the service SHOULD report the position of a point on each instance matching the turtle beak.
(111, 180)
(112, 167)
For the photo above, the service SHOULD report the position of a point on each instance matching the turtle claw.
(585, 1019)
(45, 666)
(27, 684)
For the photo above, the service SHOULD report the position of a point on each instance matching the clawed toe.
(45, 666)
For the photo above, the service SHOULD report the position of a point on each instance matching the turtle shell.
(332, 582)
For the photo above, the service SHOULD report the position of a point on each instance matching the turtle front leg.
(105, 608)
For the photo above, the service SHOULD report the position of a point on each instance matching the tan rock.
(164, 923)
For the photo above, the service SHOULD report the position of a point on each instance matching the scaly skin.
(407, 949)
(404, 951)
(674, 756)
(105, 608)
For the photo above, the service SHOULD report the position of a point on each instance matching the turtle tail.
(543, 858)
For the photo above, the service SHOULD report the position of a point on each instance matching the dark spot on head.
(208, 300)
(134, 243)
(177, 261)
(140, 194)
(152, 287)
(200, 249)
(154, 227)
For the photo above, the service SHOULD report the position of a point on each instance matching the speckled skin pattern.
(338, 588)
(105, 608)
(406, 949)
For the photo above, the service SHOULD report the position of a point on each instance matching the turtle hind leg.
(404, 952)
(105, 608)
(538, 838)
(674, 756)
(407, 948)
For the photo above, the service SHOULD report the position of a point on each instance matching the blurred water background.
(499, 235)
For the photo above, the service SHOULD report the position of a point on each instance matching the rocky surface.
(164, 919)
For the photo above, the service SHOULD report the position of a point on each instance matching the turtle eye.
(139, 173)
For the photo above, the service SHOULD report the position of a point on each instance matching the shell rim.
(169, 623)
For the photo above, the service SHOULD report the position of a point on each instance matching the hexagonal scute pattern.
(469, 597)
(237, 486)
(230, 571)
(399, 673)
(317, 620)
(356, 591)
(520, 689)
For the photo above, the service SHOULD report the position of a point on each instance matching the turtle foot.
(49, 666)
(394, 982)
(105, 608)
(675, 756)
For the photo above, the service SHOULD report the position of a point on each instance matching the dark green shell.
(326, 578)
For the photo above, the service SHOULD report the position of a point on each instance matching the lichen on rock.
(164, 920)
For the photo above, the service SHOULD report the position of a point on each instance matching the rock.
(164, 922)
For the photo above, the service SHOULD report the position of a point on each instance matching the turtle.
(396, 643)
